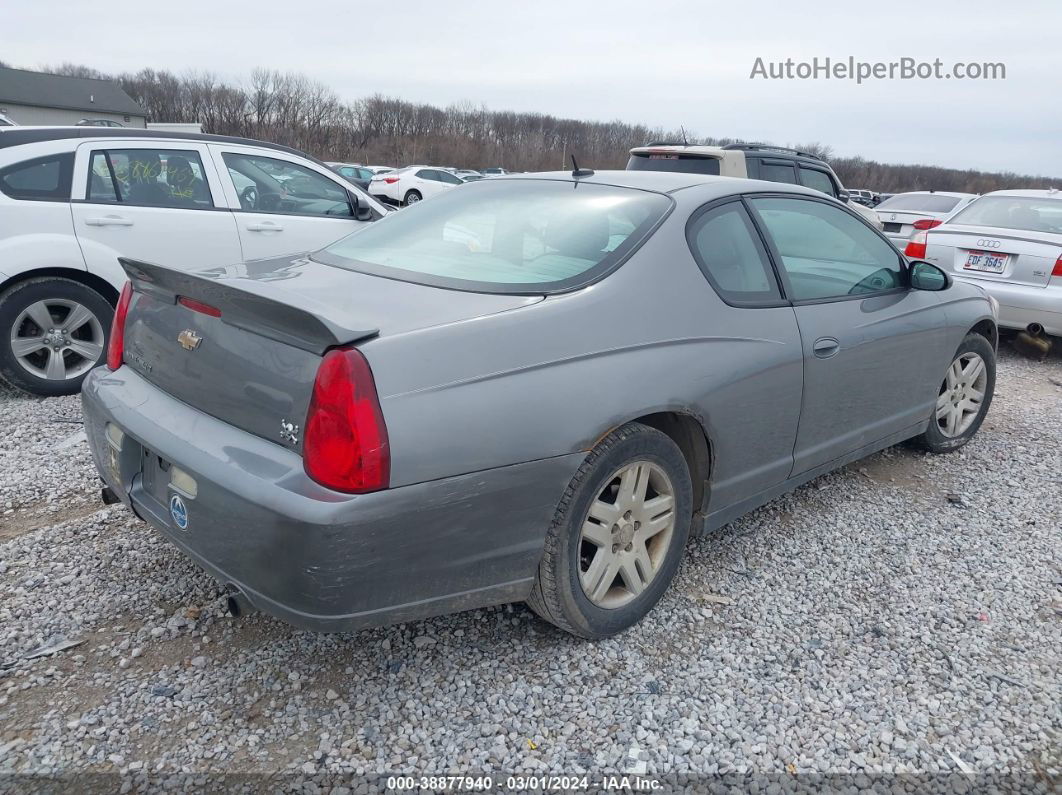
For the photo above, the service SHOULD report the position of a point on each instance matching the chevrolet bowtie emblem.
(189, 339)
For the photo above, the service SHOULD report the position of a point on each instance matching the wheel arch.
(688, 432)
(90, 280)
(987, 328)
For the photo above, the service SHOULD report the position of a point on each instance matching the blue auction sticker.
(179, 512)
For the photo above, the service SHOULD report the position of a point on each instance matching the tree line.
(296, 111)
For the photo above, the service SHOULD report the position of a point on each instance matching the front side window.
(826, 251)
(728, 249)
(518, 236)
(1031, 214)
(271, 185)
(817, 180)
(42, 179)
(149, 177)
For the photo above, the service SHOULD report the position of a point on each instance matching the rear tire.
(412, 198)
(603, 572)
(53, 358)
(964, 397)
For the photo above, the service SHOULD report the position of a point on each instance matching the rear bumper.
(1020, 305)
(310, 556)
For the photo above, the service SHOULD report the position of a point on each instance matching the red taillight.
(926, 223)
(1057, 270)
(916, 246)
(199, 306)
(345, 447)
(116, 345)
(391, 180)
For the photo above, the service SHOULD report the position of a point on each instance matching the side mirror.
(927, 276)
(362, 211)
(843, 196)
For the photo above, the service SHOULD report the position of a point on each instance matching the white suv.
(749, 161)
(74, 199)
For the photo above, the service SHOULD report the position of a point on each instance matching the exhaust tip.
(236, 603)
(1035, 330)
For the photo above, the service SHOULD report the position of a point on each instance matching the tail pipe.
(1035, 330)
(238, 603)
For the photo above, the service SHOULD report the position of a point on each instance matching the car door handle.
(265, 226)
(108, 220)
(825, 347)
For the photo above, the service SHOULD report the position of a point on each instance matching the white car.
(409, 185)
(75, 199)
(1010, 243)
(906, 213)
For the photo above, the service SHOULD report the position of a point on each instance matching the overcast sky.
(658, 63)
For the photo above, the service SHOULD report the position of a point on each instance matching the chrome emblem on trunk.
(289, 432)
(189, 339)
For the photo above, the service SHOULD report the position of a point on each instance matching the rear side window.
(149, 178)
(42, 179)
(506, 236)
(683, 164)
(729, 251)
(778, 172)
(817, 180)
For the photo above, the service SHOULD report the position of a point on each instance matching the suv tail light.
(926, 223)
(391, 180)
(916, 246)
(1057, 270)
(345, 447)
(116, 344)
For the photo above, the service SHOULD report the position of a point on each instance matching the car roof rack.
(771, 148)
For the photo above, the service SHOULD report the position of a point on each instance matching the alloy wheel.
(57, 339)
(962, 394)
(626, 534)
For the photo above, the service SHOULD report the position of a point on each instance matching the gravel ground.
(864, 625)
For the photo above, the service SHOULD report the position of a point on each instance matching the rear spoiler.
(243, 307)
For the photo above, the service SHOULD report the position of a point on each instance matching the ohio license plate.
(986, 261)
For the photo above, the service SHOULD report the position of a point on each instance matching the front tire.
(963, 398)
(618, 534)
(53, 331)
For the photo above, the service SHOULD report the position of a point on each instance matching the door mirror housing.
(927, 276)
(362, 211)
(843, 196)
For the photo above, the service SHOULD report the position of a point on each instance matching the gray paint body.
(491, 402)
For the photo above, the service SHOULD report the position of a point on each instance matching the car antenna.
(580, 172)
(684, 141)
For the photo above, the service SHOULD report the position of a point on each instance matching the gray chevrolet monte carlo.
(529, 388)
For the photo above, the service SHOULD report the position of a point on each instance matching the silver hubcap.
(626, 534)
(412, 198)
(57, 339)
(962, 394)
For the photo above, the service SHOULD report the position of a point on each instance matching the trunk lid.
(901, 222)
(254, 365)
(995, 255)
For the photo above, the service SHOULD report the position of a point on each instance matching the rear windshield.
(505, 236)
(1013, 212)
(925, 202)
(683, 164)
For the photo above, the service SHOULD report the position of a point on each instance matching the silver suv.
(748, 161)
